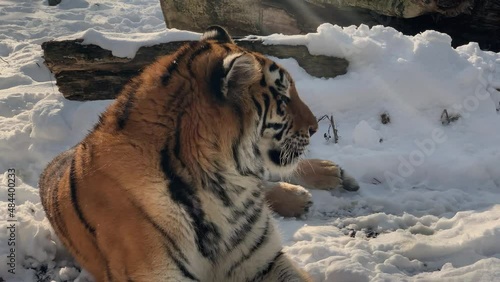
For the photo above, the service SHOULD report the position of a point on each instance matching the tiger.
(175, 180)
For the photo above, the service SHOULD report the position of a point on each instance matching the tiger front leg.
(323, 175)
(283, 269)
(287, 199)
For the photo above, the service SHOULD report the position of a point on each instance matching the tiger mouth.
(283, 158)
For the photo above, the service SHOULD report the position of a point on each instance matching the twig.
(335, 131)
(5, 61)
(445, 118)
(330, 127)
(448, 118)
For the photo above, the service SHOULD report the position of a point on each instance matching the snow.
(429, 204)
(126, 45)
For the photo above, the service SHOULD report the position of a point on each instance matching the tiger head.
(279, 121)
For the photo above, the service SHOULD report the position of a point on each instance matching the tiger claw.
(348, 182)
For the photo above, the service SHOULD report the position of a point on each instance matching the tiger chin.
(168, 186)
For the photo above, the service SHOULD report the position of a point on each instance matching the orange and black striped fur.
(168, 186)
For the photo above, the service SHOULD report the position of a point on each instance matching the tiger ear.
(236, 72)
(216, 33)
(241, 69)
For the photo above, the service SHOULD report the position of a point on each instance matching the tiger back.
(168, 185)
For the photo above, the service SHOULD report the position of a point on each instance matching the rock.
(463, 20)
(54, 2)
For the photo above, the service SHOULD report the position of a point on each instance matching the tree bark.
(88, 72)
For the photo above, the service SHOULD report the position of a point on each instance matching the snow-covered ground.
(429, 204)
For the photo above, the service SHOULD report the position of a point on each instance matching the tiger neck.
(215, 140)
(207, 164)
(243, 167)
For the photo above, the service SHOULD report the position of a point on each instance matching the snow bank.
(429, 204)
(388, 247)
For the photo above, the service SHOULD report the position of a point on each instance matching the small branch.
(445, 118)
(335, 131)
(448, 118)
(332, 127)
(5, 61)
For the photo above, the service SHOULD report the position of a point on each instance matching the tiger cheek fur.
(168, 185)
(286, 123)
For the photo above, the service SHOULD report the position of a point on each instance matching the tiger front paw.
(289, 200)
(323, 175)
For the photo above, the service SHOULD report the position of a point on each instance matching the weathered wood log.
(463, 20)
(88, 72)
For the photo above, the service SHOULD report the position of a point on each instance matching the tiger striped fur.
(168, 186)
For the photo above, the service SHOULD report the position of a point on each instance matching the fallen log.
(89, 72)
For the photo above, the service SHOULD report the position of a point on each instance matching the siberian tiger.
(169, 185)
